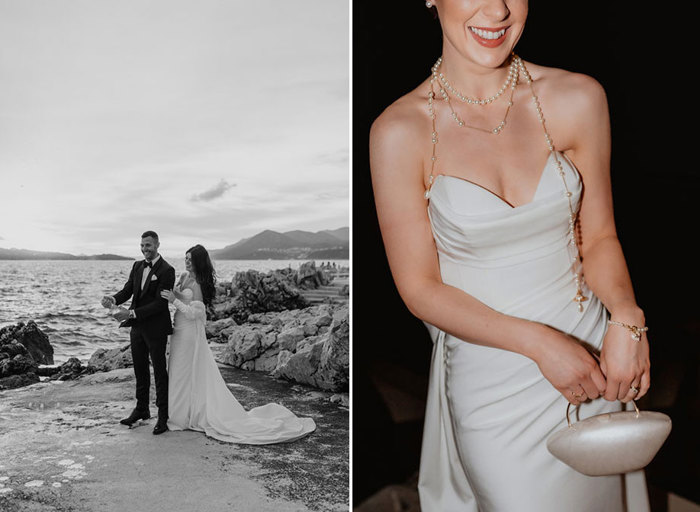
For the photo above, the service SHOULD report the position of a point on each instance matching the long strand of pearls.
(576, 266)
(434, 139)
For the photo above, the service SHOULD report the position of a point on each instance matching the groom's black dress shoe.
(135, 416)
(161, 426)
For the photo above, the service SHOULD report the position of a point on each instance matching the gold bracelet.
(635, 330)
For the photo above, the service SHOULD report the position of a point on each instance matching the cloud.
(339, 158)
(216, 191)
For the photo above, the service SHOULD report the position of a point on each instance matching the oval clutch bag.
(610, 443)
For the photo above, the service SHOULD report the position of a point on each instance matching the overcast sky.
(207, 121)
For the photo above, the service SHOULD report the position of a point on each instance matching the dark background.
(646, 72)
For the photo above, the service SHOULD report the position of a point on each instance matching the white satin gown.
(490, 411)
(198, 398)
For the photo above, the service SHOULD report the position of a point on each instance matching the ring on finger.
(634, 389)
(577, 396)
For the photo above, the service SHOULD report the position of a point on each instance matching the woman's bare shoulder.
(560, 87)
(400, 136)
(573, 103)
(404, 119)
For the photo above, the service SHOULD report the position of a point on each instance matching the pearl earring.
(428, 4)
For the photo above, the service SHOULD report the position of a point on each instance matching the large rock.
(31, 337)
(266, 363)
(289, 338)
(18, 381)
(246, 343)
(17, 365)
(72, 369)
(223, 308)
(13, 348)
(321, 361)
(302, 365)
(255, 292)
(106, 360)
(247, 346)
(268, 333)
(308, 346)
(18, 371)
(220, 328)
(334, 368)
(309, 277)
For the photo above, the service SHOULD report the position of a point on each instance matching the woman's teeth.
(488, 34)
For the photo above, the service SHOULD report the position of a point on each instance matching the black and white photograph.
(525, 188)
(174, 256)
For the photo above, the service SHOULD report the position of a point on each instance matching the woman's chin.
(491, 58)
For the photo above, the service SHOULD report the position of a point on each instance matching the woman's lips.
(488, 37)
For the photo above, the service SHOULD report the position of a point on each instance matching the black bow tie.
(147, 264)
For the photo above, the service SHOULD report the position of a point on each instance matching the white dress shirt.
(145, 273)
(132, 313)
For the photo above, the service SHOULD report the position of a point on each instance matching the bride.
(198, 398)
(500, 235)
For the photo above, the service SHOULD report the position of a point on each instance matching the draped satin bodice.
(500, 254)
(473, 225)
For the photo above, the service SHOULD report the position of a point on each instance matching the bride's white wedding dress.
(490, 411)
(198, 398)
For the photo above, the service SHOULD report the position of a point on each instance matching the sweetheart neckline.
(502, 200)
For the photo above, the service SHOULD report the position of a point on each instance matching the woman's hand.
(570, 368)
(624, 361)
(169, 295)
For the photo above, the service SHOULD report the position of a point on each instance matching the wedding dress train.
(199, 399)
(490, 411)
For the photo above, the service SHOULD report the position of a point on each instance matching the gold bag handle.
(568, 420)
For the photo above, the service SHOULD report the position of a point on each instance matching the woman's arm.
(397, 144)
(194, 309)
(624, 361)
(178, 287)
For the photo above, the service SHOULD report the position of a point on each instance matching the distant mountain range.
(267, 245)
(291, 245)
(25, 254)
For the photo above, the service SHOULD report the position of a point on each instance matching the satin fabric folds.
(490, 411)
(199, 399)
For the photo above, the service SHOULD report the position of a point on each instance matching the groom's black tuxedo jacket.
(152, 314)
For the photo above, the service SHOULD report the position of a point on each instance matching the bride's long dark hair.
(203, 271)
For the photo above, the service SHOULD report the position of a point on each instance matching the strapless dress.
(490, 411)
(199, 399)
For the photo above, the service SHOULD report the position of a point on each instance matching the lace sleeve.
(193, 310)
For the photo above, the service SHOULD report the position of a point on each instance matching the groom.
(149, 319)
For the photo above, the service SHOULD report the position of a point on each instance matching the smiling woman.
(478, 176)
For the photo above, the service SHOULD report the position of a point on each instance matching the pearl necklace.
(512, 76)
(512, 81)
(579, 298)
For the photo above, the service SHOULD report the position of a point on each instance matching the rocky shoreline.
(260, 321)
(64, 449)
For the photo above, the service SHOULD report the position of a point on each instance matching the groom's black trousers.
(142, 346)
